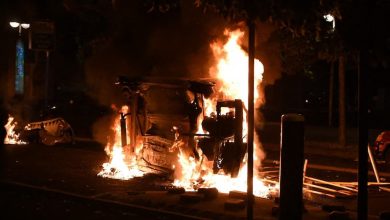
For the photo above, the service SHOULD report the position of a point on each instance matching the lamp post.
(19, 64)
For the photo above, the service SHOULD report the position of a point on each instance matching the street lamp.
(15, 24)
(330, 18)
(19, 64)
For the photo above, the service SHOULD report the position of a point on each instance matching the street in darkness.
(203, 109)
(61, 182)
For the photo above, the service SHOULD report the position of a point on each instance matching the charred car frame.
(163, 109)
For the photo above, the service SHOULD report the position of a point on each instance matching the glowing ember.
(121, 166)
(195, 175)
(12, 137)
(230, 70)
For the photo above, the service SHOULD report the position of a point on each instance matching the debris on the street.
(338, 215)
(176, 190)
(209, 193)
(52, 131)
(238, 195)
(191, 198)
(331, 208)
(234, 204)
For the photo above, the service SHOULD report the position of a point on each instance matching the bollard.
(291, 167)
(133, 120)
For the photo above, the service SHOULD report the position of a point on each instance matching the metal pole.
(251, 88)
(365, 28)
(363, 139)
(123, 129)
(133, 125)
(331, 85)
(238, 115)
(47, 74)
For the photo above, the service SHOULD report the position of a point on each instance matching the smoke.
(142, 44)
(102, 70)
(268, 52)
(171, 44)
(101, 129)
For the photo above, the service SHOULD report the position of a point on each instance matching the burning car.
(193, 129)
(161, 111)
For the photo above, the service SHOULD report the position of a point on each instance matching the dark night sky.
(97, 40)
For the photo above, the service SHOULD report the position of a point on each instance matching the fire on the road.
(122, 165)
(190, 173)
(230, 70)
(12, 136)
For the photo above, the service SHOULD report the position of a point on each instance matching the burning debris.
(227, 127)
(12, 136)
(48, 132)
(52, 131)
(183, 129)
(118, 168)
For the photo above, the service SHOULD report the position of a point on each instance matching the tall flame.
(122, 165)
(231, 70)
(12, 136)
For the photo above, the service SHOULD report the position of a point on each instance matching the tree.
(304, 27)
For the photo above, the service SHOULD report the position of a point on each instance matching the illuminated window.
(19, 77)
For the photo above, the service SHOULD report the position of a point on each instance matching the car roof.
(199, 85)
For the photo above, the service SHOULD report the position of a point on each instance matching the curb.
(322, 149)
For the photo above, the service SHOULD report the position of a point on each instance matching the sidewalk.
(318, 140)
(321, 149)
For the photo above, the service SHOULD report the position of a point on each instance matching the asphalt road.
(60, 182)
(72, 169)
(26, 202)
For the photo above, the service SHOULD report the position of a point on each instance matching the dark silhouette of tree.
(306, 37)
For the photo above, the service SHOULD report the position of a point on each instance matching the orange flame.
(121, 166)
(231, 71)
(12, 137)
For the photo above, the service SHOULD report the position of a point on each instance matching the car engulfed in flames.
(192, 130)
(168, 129)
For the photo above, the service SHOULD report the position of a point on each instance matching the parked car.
(382, 146)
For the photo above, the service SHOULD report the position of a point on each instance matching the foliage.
(88, 24)
(303, 33)
(161, 5)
